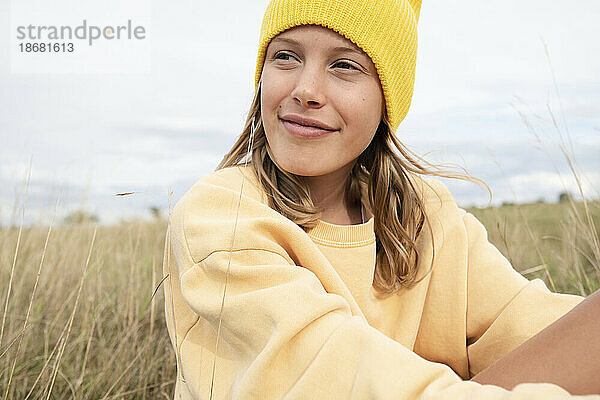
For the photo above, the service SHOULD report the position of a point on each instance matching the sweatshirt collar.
(344, 235)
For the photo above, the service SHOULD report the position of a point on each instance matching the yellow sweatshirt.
(300, 319)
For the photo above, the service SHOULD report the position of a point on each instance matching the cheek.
(274, 86)
(364, 115)
(365, 111)
(270, 100)
(373, 102)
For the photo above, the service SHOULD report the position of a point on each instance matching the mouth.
(304, 130)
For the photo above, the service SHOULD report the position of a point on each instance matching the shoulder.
(432, 191)
(445, 219)
(235, 178)
(219, 188)
(227, 204)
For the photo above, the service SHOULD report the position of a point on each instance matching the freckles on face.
(306, 75)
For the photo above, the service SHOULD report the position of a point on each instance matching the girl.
(318, 260)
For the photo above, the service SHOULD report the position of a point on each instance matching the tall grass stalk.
(12, 270)
(96, 332)
(78, 332)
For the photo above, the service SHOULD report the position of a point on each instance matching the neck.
(328, 193)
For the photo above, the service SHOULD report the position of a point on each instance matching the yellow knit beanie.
(386, 30)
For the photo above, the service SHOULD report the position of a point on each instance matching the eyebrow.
(336, 49)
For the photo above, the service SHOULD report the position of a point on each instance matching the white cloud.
(549, 182)
(476, 59)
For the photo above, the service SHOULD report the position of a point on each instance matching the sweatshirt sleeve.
(504, 309)
(282, 335)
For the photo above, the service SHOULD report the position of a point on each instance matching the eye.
(345, 63)
(282, 54)
(284, 57)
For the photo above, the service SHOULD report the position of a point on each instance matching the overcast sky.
(482, 76)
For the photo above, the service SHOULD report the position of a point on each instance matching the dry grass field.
(78, 320)
(91, 330)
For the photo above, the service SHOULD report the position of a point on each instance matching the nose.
(309, 88)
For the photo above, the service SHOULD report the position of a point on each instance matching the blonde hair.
(399, 213)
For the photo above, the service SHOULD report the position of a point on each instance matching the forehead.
(317, 36)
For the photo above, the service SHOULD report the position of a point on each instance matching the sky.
(498, 84)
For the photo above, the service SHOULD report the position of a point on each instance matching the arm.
(505, 310)
(282, 333)
(566, 353)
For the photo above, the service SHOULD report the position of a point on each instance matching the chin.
(303, 169)
(300, 170)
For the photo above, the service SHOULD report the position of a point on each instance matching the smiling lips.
(305, 127)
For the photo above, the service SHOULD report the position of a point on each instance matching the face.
(314, 73)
